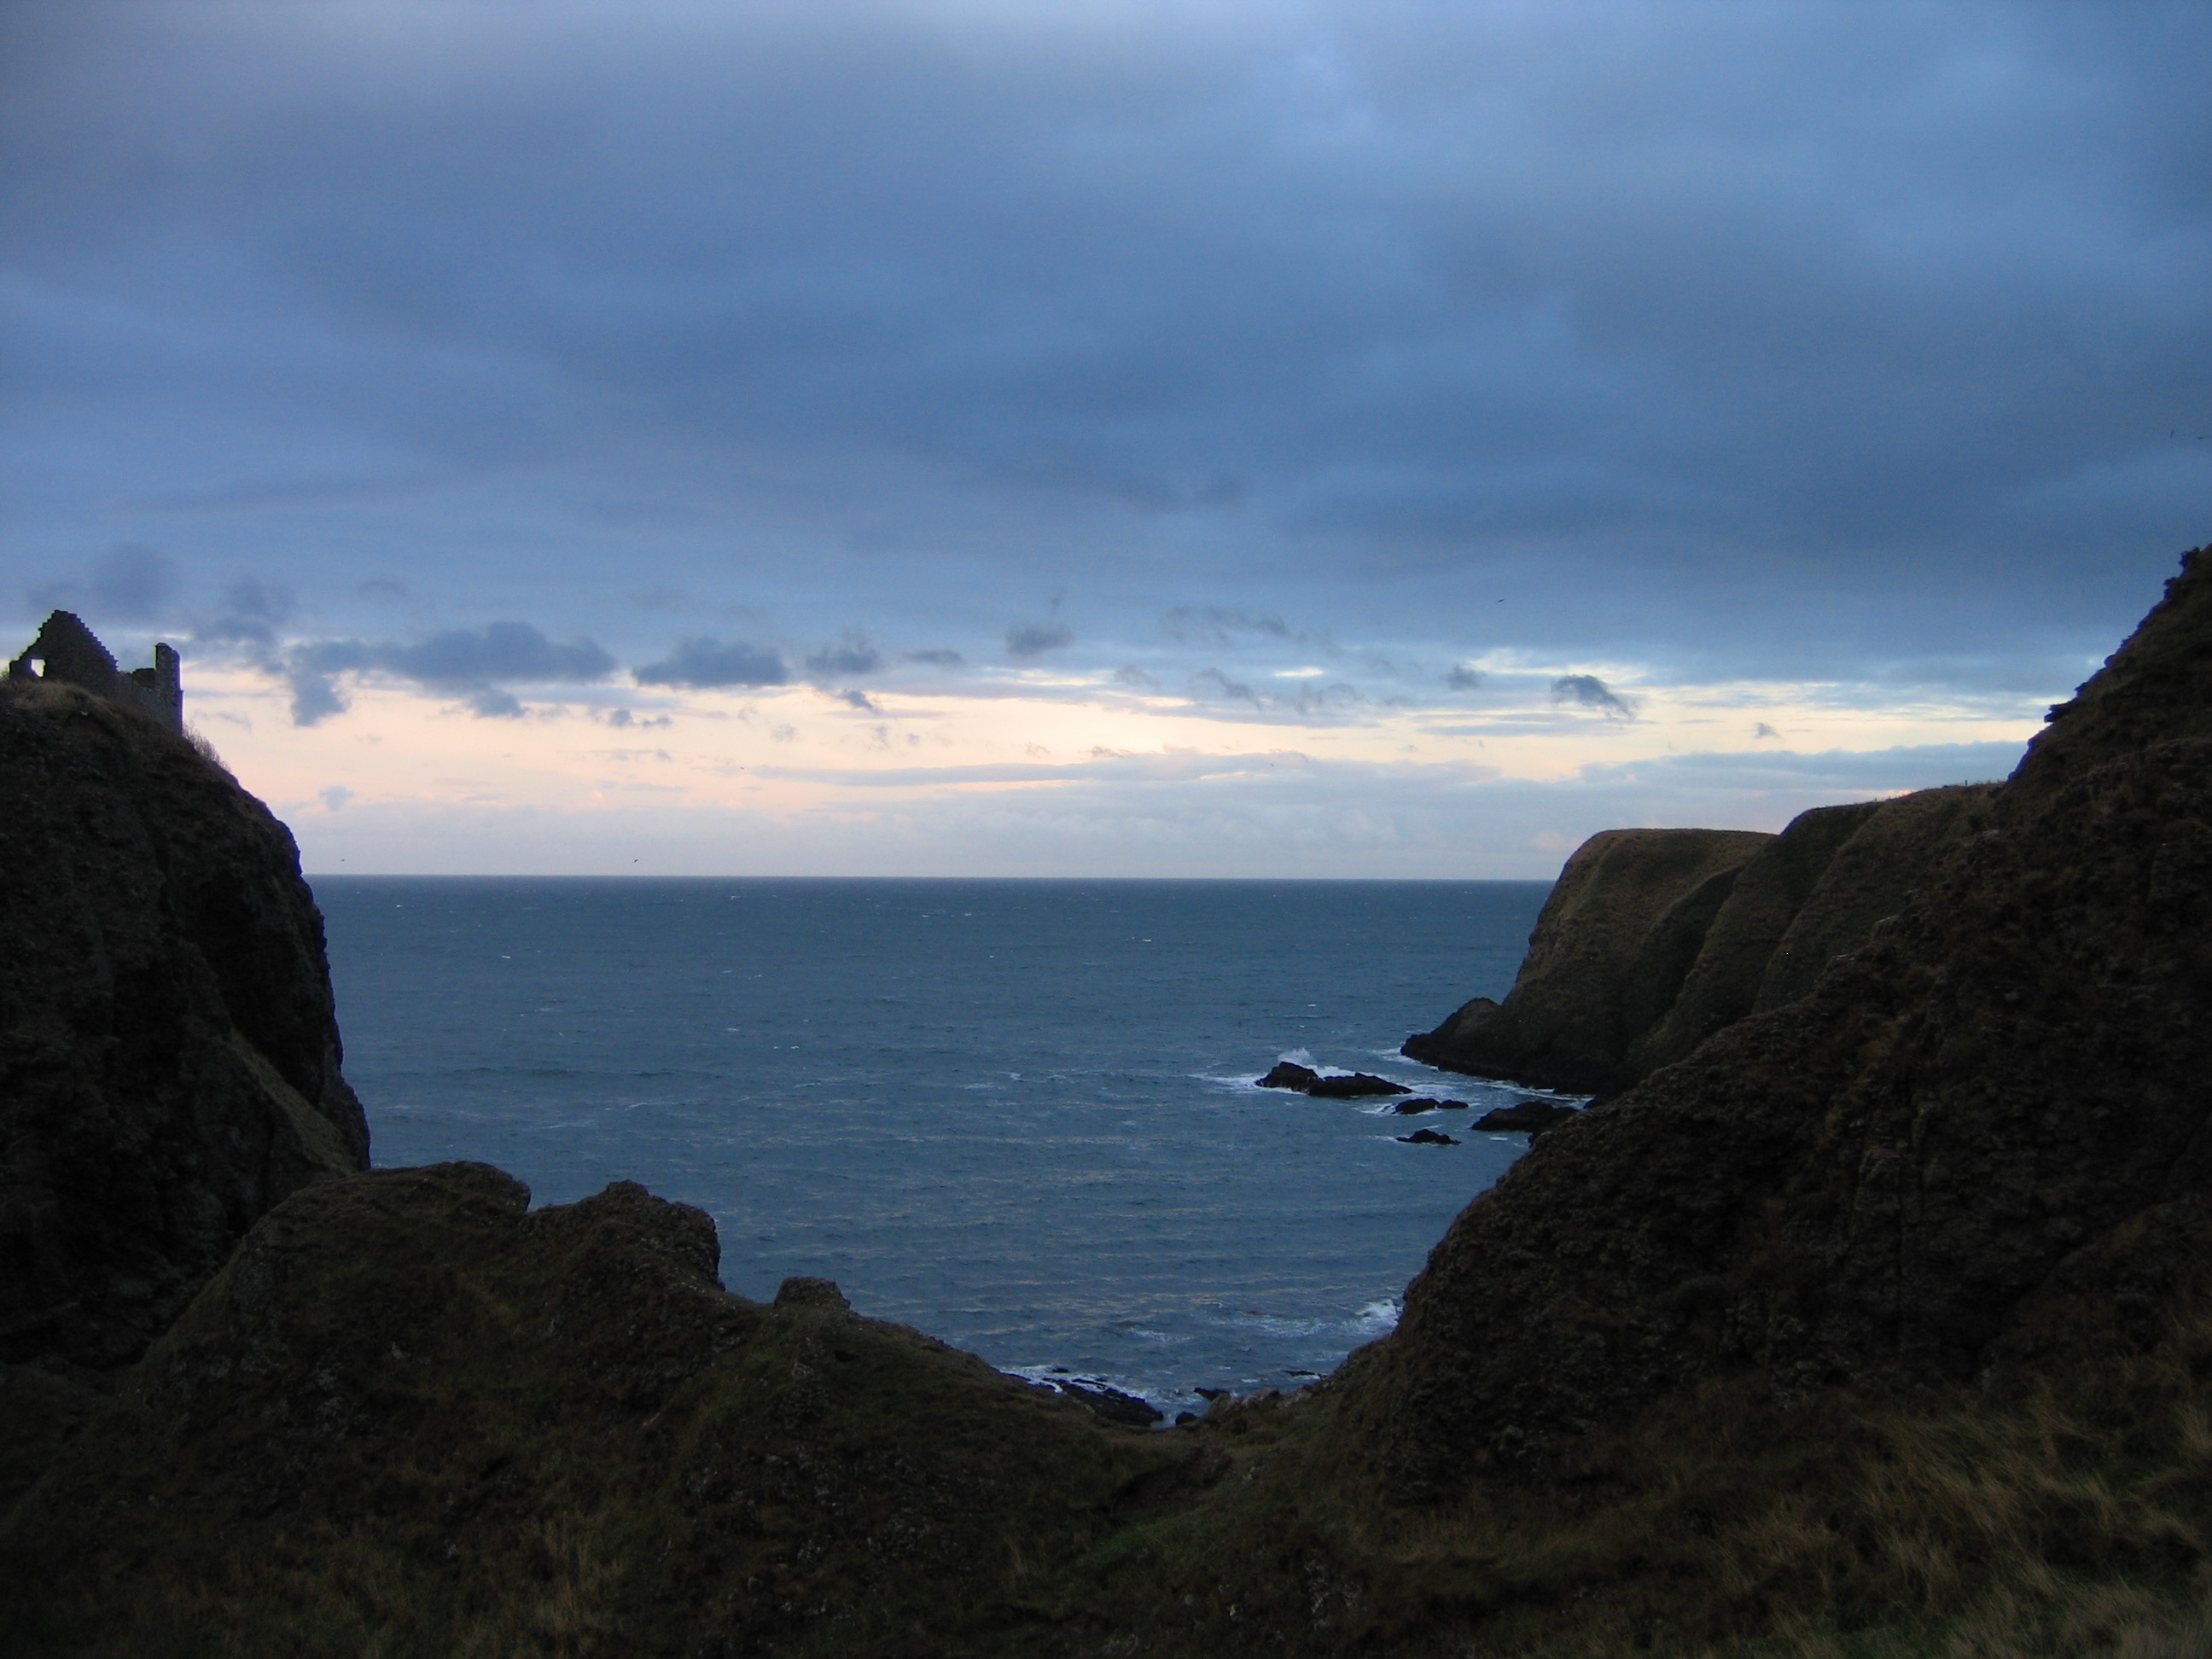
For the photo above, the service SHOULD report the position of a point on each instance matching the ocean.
(1019, 1114)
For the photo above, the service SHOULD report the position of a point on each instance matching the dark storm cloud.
(128, 583)
(1027, 642)
(705, 663)
(1214, 625)
(1397, 307)
(1302, 700)
(1587, 692)
(850, 656)
(1212, 685)
(252, 611)
(472, 665)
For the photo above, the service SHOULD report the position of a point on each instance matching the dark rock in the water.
(1213, 1394)
(170, 1070)
(1307, 1081)
(1428, 1138)
(1529, 1117)
(1358, 1086)
(1111, 1405)
(1420, 1103)
(1980, 1145)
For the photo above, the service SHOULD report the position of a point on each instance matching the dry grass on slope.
(2073, 1522)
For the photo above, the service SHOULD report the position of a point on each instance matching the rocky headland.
(169, 1060)
(1653, 940)
(1865, 1313)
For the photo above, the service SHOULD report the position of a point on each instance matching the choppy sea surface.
(1019, 1113)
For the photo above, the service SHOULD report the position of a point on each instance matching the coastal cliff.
(169, 1060)
(1653, 940)
(1621, 930)
(1981, 1142)
(1873, 1321)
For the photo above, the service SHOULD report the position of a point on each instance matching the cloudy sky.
(972, 436)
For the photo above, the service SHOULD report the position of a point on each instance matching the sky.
(1098, 438)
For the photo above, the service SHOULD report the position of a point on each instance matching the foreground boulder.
(1980, 1145)
(412, 1415)
(170, 1067)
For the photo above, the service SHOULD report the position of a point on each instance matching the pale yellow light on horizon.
(788, 752)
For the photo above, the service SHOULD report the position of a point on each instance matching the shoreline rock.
(1288, 1074)
(1528, 1117)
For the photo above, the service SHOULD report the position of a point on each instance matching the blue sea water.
(1018, 1115)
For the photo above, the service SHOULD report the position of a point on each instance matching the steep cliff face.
(169, 1062)
(1981, 1140)
(1655, 939)
(1619, 933)
(1809, 895)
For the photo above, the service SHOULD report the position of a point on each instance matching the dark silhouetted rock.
(1358, 1086)
(169, 1069)
(1420, 1103)
(1770, 891)
(1428, 1138)
(1307, 1081)
(411, 1375)
(1899, 848)
(1616, 938)
(1981, 1144)
(1724, 944)
(1526, 1117)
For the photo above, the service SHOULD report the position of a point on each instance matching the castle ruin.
(69, 652)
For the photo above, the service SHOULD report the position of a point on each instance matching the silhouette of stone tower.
(71, 654)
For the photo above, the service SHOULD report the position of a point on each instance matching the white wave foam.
(1378, 1317)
